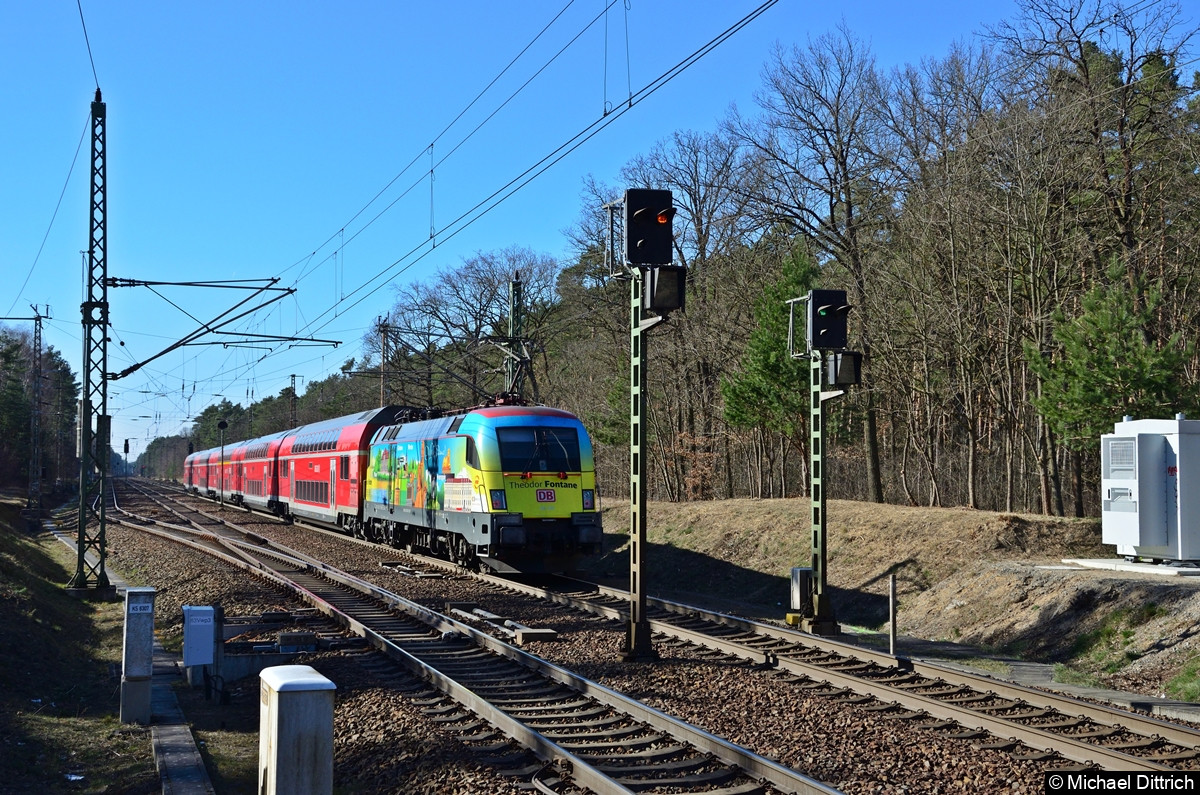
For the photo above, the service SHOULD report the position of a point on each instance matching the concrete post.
(892, 614)
(295, 732)
(137, 661)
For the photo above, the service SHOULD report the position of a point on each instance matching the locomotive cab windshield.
(538, 449)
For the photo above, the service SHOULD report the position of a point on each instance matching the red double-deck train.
(506, 488)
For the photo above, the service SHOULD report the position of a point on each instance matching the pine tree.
(770, 391)
(15, 410)
(1110, 364)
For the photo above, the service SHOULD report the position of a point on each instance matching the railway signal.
(657, 288)
(827, 312)
(827, 315)
(649, 233)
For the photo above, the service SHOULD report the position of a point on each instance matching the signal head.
(649, 237)
(827, 315)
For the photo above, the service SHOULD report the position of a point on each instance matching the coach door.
(333, 472)
(350, 473)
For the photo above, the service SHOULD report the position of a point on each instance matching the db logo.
(545, 495)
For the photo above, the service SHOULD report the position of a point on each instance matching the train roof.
(467, 422)
(516, 411)
(203, 454)
(383, 415)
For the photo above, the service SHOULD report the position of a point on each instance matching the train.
(505, 488)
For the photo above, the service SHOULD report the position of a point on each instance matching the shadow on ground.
(688, 576)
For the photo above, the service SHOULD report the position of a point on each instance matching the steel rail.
(1068, 705)
(1075, 750)
(729, 753)
(248, 556)
(544, 748)
(777, 656)
(1072, 749)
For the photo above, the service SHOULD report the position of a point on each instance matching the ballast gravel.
(385, 744)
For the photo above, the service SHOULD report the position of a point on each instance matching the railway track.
(590, 736)
(1030, 724)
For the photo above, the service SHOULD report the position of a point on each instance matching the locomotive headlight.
(499, 501)
(589, 500)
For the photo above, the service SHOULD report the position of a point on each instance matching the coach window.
(345, 473)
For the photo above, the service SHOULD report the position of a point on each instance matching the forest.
(55, 423)
(1015, 223)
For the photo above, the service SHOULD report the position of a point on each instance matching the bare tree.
(706, 175)
(816, 150)
(440, 334)
(1112, 66)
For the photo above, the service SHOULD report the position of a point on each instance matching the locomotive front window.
(538, 449)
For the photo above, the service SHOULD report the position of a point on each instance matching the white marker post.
(137, 662)
(295, 731)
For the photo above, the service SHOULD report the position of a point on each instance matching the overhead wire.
(341, 232)
(53, 216)
(87, 41)
(524, 85)
(493, 200)
(497, 197)
(417, 157)
(421, 178)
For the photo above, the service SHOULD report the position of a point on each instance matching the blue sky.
(244, 136)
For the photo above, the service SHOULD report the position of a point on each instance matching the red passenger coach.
(213, 467)
(258, 472)
(195, 472)
(202, 472)
(322, 467)
(233, 483)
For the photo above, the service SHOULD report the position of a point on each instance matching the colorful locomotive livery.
(508, 488)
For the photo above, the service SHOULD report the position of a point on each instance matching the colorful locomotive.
(508, 488)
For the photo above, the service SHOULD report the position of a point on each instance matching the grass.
(1107, 648)
(59, 682)
(60, 658)
(1185, 686)
(226, 735)
(988, 665)
(1067, 675)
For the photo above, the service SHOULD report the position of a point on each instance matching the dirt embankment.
(987, 579)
